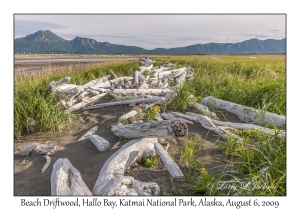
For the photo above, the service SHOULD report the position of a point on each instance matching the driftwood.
(170, 116)
(244, 126)
(85, 103)
(101, 144)
(143, 68)
(247, 114)
(66, 180)
(115, 76)
(128, 115)
(89, 133)
(38, 149)
(202, 109)
(172, 167)
(141, 91)
(62, 81)
(96, 81)
(136, 77)
(47, 163)
(135, 101)
(163, 128)
(208, 124)
(111, 179)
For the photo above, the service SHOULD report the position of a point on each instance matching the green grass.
(150, 161)
(33, 100)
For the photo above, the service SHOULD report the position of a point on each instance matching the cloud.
(25, 27)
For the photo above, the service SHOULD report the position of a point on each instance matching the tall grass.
(258, 82)
(33, 100)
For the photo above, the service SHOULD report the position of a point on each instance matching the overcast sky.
(153, 31)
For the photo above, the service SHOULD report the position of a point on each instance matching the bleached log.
(170, 116)
(128, 115)
(172, 167)
(55, 84)
(96, 81)
(181, 79)
(244, 126)
(38, 149)
(62, 104)
(89, 133)
(135, 101)
(247, 114)
(111, 179)
(101, 90)
(48, 159)
(202, 109)
(136, 77)
(141, 91)
(144, 85)
(85, 103)
(115, 76)
(141, 78)
(208, 124)
(87, 93)
(129, 97)
(101, 144)
(105, 84)
(66, 180)
(143, 68)
(128, 84)
(164, 128)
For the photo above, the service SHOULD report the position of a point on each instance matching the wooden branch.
(111, 179)
(47, 163)
(208, 124)
(55, 84)
(135, 101)
(128, 115)
(244, 126)
(66, 180)
(247, 114)
(101, 144)
(163, 128)
(85, 103)
(170, 116)
(136, 77)
(96, 81)
(172, 167)
(115, 76)
(89, 133)
(141, 91)
(203, 109)
(180, 80)
(38, 149)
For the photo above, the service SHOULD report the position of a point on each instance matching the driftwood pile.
(147, 87)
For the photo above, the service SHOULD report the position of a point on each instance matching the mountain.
(48, 42)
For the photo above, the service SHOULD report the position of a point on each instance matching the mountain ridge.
(47, 42)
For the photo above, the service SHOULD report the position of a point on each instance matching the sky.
(155, 31)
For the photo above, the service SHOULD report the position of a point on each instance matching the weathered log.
(202, 109)
(141, 78)
(105, 84)
(170, 116)
(89, 133)
(208, 124)
(101, 144)
(172, 167)
(55, 84)
(96, 81)
(143, 68)
(38, 149)
(144, 85)
(135, 101)
(244, 126)
(136, 77)
(66, 180)
(128, 84)
(141, 91)
(111, 179)
(246, 114)
(163, 129)
(85, 103)
(128, 115)
(47, 163)
(180, 80)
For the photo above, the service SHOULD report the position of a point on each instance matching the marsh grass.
(33, 100)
